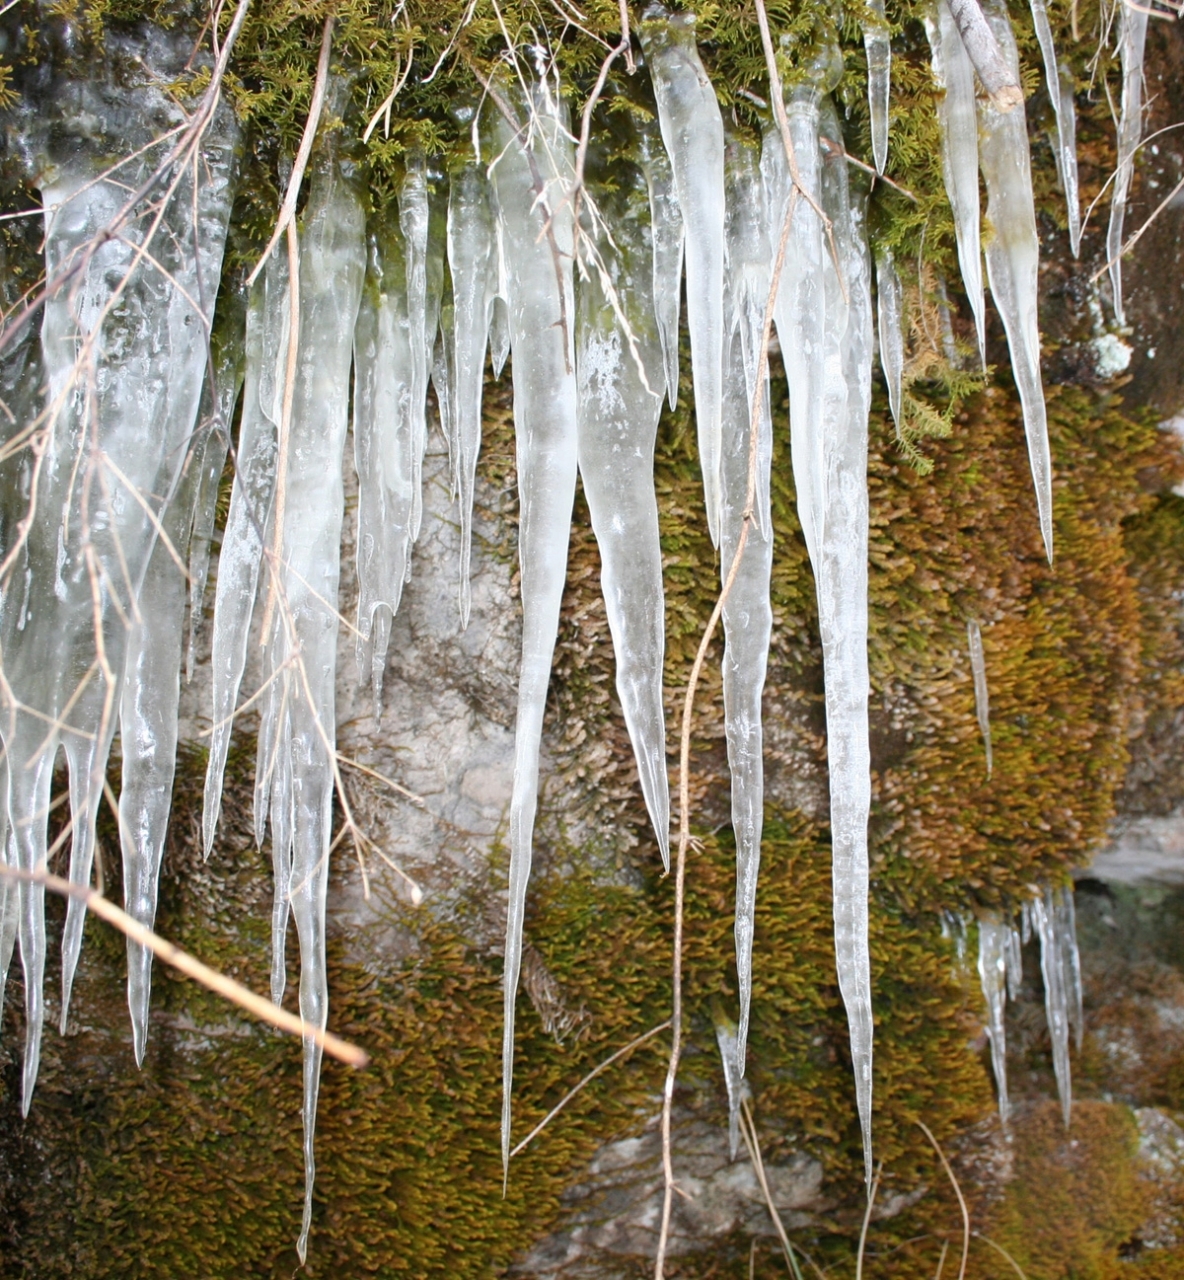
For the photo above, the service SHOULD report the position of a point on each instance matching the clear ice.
(982, 701)
(877, 43)
(1060, 89)
(890, 322)
(1013, 263)
(619, 379)
(1132, 38)
(954, 72)
(531, 181)
(1058, 950)
(693, 130)
(669, 241)
(747, 613)
(993, 946)
(472, 259)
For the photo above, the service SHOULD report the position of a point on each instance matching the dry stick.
(941, 1261)
(285, 431)
(983, 50)
(587, 1080)
(867, 1218)
(193, 968)
(748, 1130)
(1130, 244)
(945, 1164)
(577, 185)
(684, 758)
(999, 1249)
(288, 208)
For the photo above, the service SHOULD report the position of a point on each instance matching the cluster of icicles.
(494, 256)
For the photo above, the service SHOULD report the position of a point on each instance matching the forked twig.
(193, 968)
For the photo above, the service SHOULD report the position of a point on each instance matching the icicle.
(1013, 262)
(619, 380)
(228, 358)
(747, 614)
(982, 705)
(1015, 962)
(1065, 914)
(953, 71)
(669, 240)
(535, 229)
(890, 317)
(423, 231)
(693, 131)
(732, 1056)
(1060, 90)
(1047, 915)
(499, 336)
(384, 374)
(824, 321)
(1132, 38)
(877, 42)
(132, 421)
(248, 522)
(304, 622)
(993, 937)
(9, 889)
(473, 263)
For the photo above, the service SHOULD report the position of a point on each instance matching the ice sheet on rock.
(619, 383)
(1013, 262)
(1060, 89)
(1048, 916)
(472, 260)
(747, 613)
(217, 418)
(877, 42)
(530, 181)
(384, 443)
(248, 523)
(116, 442)
(982, 702)
(992, 971)
(1132, 39)
(304, 624)
(890, 318)
(421, 219)
(668, 244)
(954, 72)
(693, 131)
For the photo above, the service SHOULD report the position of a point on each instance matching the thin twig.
(999, 1249)
(1134, 240)
(193, 968)
(288, 208)
(748, 1130)
(587, 1080)
(867, 1218)
(945, 1164)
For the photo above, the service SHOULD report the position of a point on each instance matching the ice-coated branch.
(999, 76)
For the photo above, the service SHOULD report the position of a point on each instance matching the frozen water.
(982, 703)
(1059, 80)
(877, 43)
(668, 243)
(890, 318)
(993, 937)
(1132, 38)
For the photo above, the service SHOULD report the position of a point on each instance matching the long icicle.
(954, 72)
(531, 180)
(1060, 90)
(1132, 39)
(1049, 925)
(747, 614)
(890, 321)
(693, 131)
(1013, 263)
(619, 376)
(992, 972)
(877, 44)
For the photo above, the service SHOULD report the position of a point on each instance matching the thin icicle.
(877, 42)
(693, 131)
(1065, 915)
(1013, 262)
(1015, 962)
(993, 973)
(954, 72)
(472, 259)
(303, 634)
(242, 551)
(619, 408)
(731, 1055)
(669, 241)
(747, 614)
(890, 317)
(535, 230)
(1060, 90)
(982, 703)
(1047, 914)
(384, 375)
(1132, 39)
